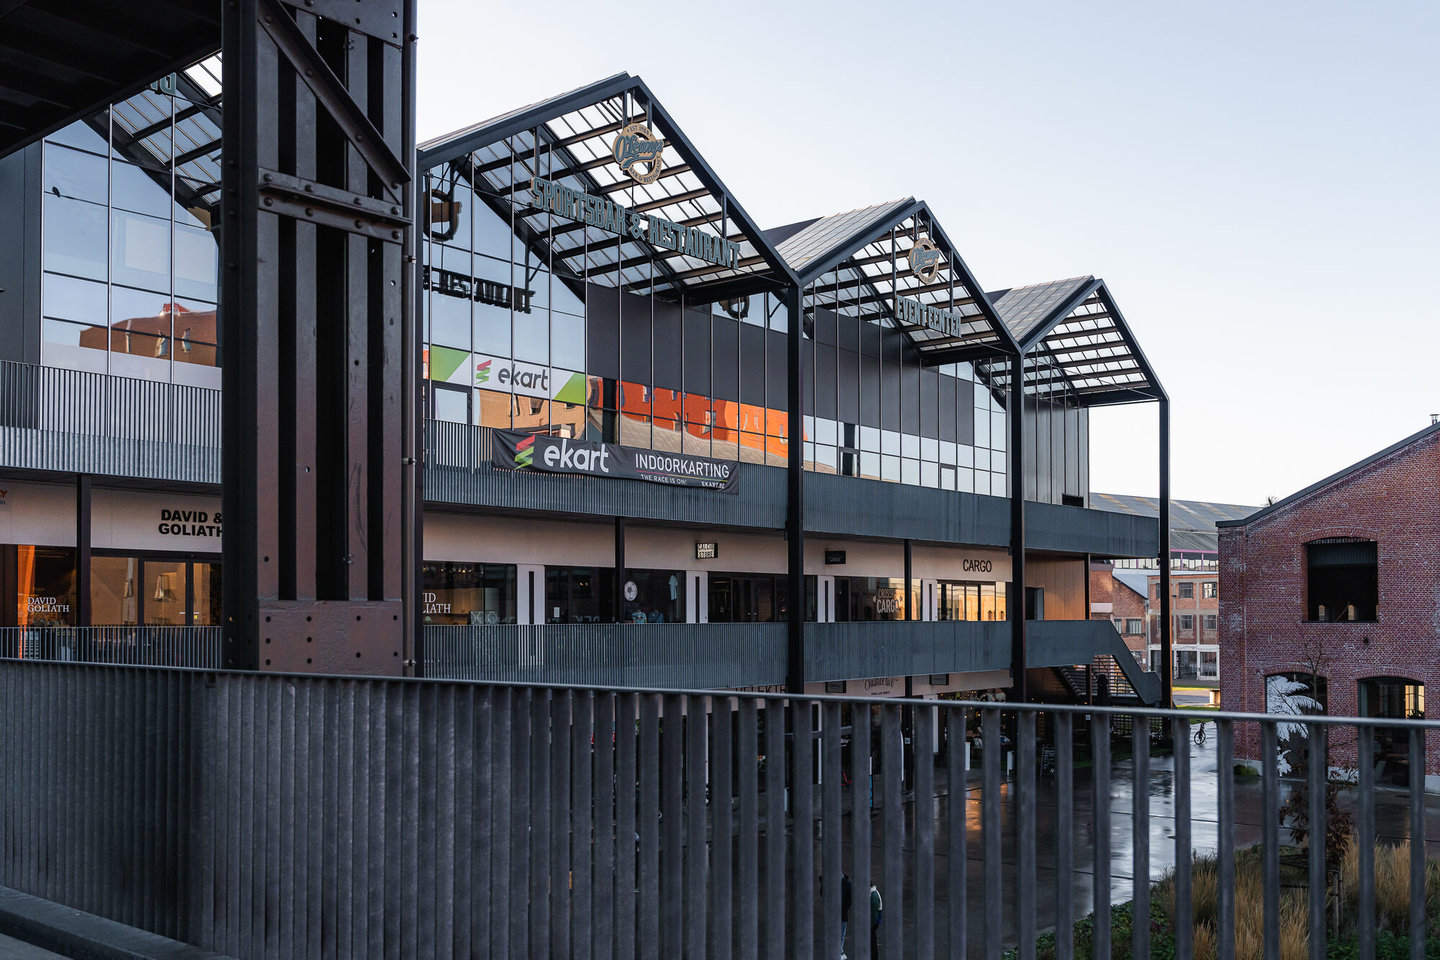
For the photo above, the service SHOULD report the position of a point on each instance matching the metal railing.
(655, 655)
(79, 422)
(310, 817)
(134, 645)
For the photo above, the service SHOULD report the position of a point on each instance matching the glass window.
(1341, 579)
(141, 191)
(1209, 622)
(115, 590)
(70, 173)
(1187, 623)
(451, 403)
(45, 586)
(206, 611)
(140, 251)
(1187, 591)
(196, 255)
(75, 237)
(71, 299)
(1209, 589)
(167, 588)
(464, 593)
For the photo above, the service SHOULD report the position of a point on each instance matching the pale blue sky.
(1255, 181)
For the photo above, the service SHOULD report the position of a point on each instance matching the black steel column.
(412, 383)
(315, 317)
(1167, 679)
(82, 550)
(795, 493)
(1016, 604)
(908, 568)
(617, 593)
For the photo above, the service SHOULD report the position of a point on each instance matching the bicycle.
(1199, 736)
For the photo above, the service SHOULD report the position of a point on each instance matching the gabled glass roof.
(1076, 342)
(682, 233)
(859, 264)
(143, 133)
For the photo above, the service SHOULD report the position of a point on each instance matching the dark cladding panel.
(890, 392)
(949, 401)
(602, 332)
(870, 389)
(825, 381)
(776, 381)
(20, 196)
(697, 352)
(825, 331)
(725, 371)
(965, 425)
(752, 364)
(668, 352)
(848, 382)
(848, 330)
(807, 378)
(929, 403)
(635, 339)
(910, 398)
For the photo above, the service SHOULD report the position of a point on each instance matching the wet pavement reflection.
(1392, 824)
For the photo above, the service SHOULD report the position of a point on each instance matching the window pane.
(75, 237)
(141, 191)
(114, 590)
(165, 597)
(141, 251)
(70, 173)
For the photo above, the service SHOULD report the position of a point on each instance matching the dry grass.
(1206, 946)
(1294, 927)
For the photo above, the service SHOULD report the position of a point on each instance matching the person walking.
(877, 913)
(845, 897)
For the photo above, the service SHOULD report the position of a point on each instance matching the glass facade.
(533, 322)
(128, 244)
(44, 585)
(587, 595)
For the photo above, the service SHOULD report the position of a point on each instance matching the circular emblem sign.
(637, 151)
(925, 260)
(631, 591)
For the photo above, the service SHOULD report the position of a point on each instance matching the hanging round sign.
(631, 591)
(637, 151)
(925, 260)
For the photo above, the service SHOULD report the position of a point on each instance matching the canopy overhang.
(606, 187)
(1077, 345)
(61, 60)
(893, 264)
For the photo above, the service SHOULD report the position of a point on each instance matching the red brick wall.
(1197, 606)
(1123, 602)
(1263, 630)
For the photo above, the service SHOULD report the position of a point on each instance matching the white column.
(529, 603)
(697, 596)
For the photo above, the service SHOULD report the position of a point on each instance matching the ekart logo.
(925, 260)
(636, 144)
(515, 375)
(482, 372)
(525, 452)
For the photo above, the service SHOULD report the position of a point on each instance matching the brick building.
(1194, 587)
(1330, 598)
(1120, 602)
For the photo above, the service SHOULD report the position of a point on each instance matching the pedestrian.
(846, 896)
(877, 912)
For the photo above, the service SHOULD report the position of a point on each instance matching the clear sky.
(1255, 181)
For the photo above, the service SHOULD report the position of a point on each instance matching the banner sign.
(533, 451)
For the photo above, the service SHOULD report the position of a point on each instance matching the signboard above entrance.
(619, 220)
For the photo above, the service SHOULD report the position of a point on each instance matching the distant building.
(1194, 587)
(1330, 598)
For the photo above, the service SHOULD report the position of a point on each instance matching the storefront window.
(960, 600)
(157, 591)
(754, 598)
(874, 598)
(45, 586)
(167, 599)
(462, 592)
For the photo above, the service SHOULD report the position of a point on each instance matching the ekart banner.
(532, 451)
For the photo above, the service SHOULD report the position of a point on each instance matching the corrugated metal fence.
(310, 818)
(671, 656)
(135, 645)
(78, 422)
